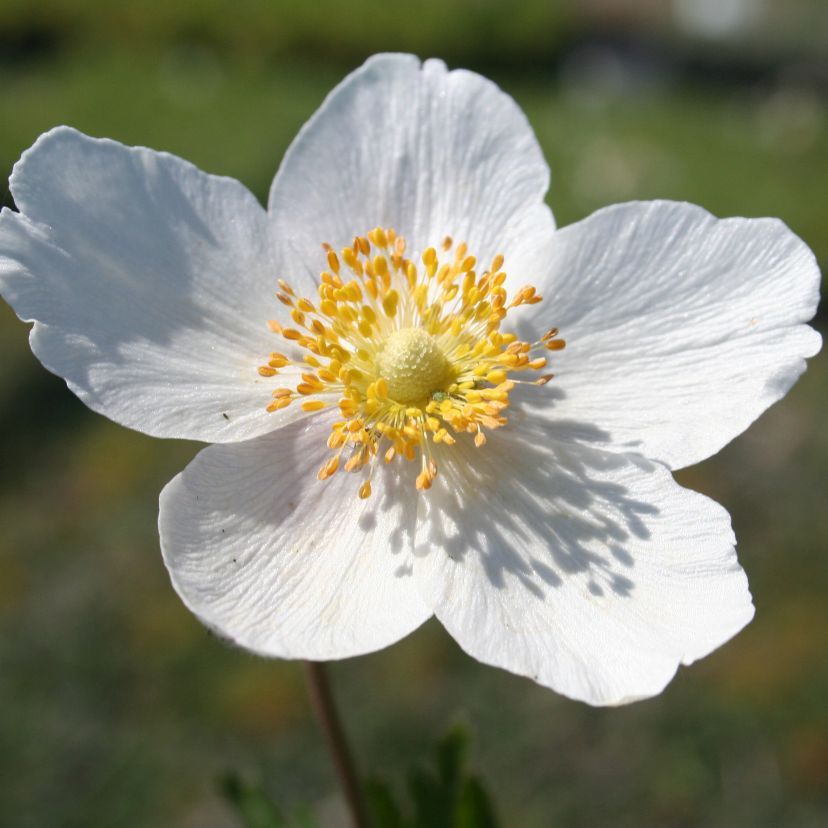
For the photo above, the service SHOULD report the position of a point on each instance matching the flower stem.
(322, 700)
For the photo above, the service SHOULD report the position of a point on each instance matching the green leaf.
(474, 809)
(382, 807)
(432, 805)
(449, 798)
(452, 751)
(253, 805)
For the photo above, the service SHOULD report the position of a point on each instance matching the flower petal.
(417, 148)
(590, 571)
(286, 565)
(149, 282)
(681, 328)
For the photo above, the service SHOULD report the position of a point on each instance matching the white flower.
(555, 545)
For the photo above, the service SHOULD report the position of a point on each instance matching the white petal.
(417, 148)
(681, 328)
(286, 565)
(591, 572)
(150, 284)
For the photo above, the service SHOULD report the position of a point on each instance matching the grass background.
(118, 709)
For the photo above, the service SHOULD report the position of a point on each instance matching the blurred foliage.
(445, 797)
(486, 32)
(256, 809)
(259, 30)
(118, 709)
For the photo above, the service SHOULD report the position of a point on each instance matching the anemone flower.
(424, 399)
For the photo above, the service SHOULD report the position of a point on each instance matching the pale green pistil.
(413, 365)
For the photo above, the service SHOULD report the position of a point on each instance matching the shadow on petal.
(538, 486)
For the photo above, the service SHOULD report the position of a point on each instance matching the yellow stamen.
(410, 356)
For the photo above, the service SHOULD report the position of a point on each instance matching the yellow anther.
(380, 264)
(353, 291)
(496, 376)
(349, 257)
(410, 364)
(411, 275)
(420, 296)
(389, 303)
(378, 237)
(348, 407)
(329, 468)
(424, 479)
(355, 461)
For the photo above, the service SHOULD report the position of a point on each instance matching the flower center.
(412, 356)
(413, 365)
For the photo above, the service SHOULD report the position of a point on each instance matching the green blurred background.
(118, 709)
